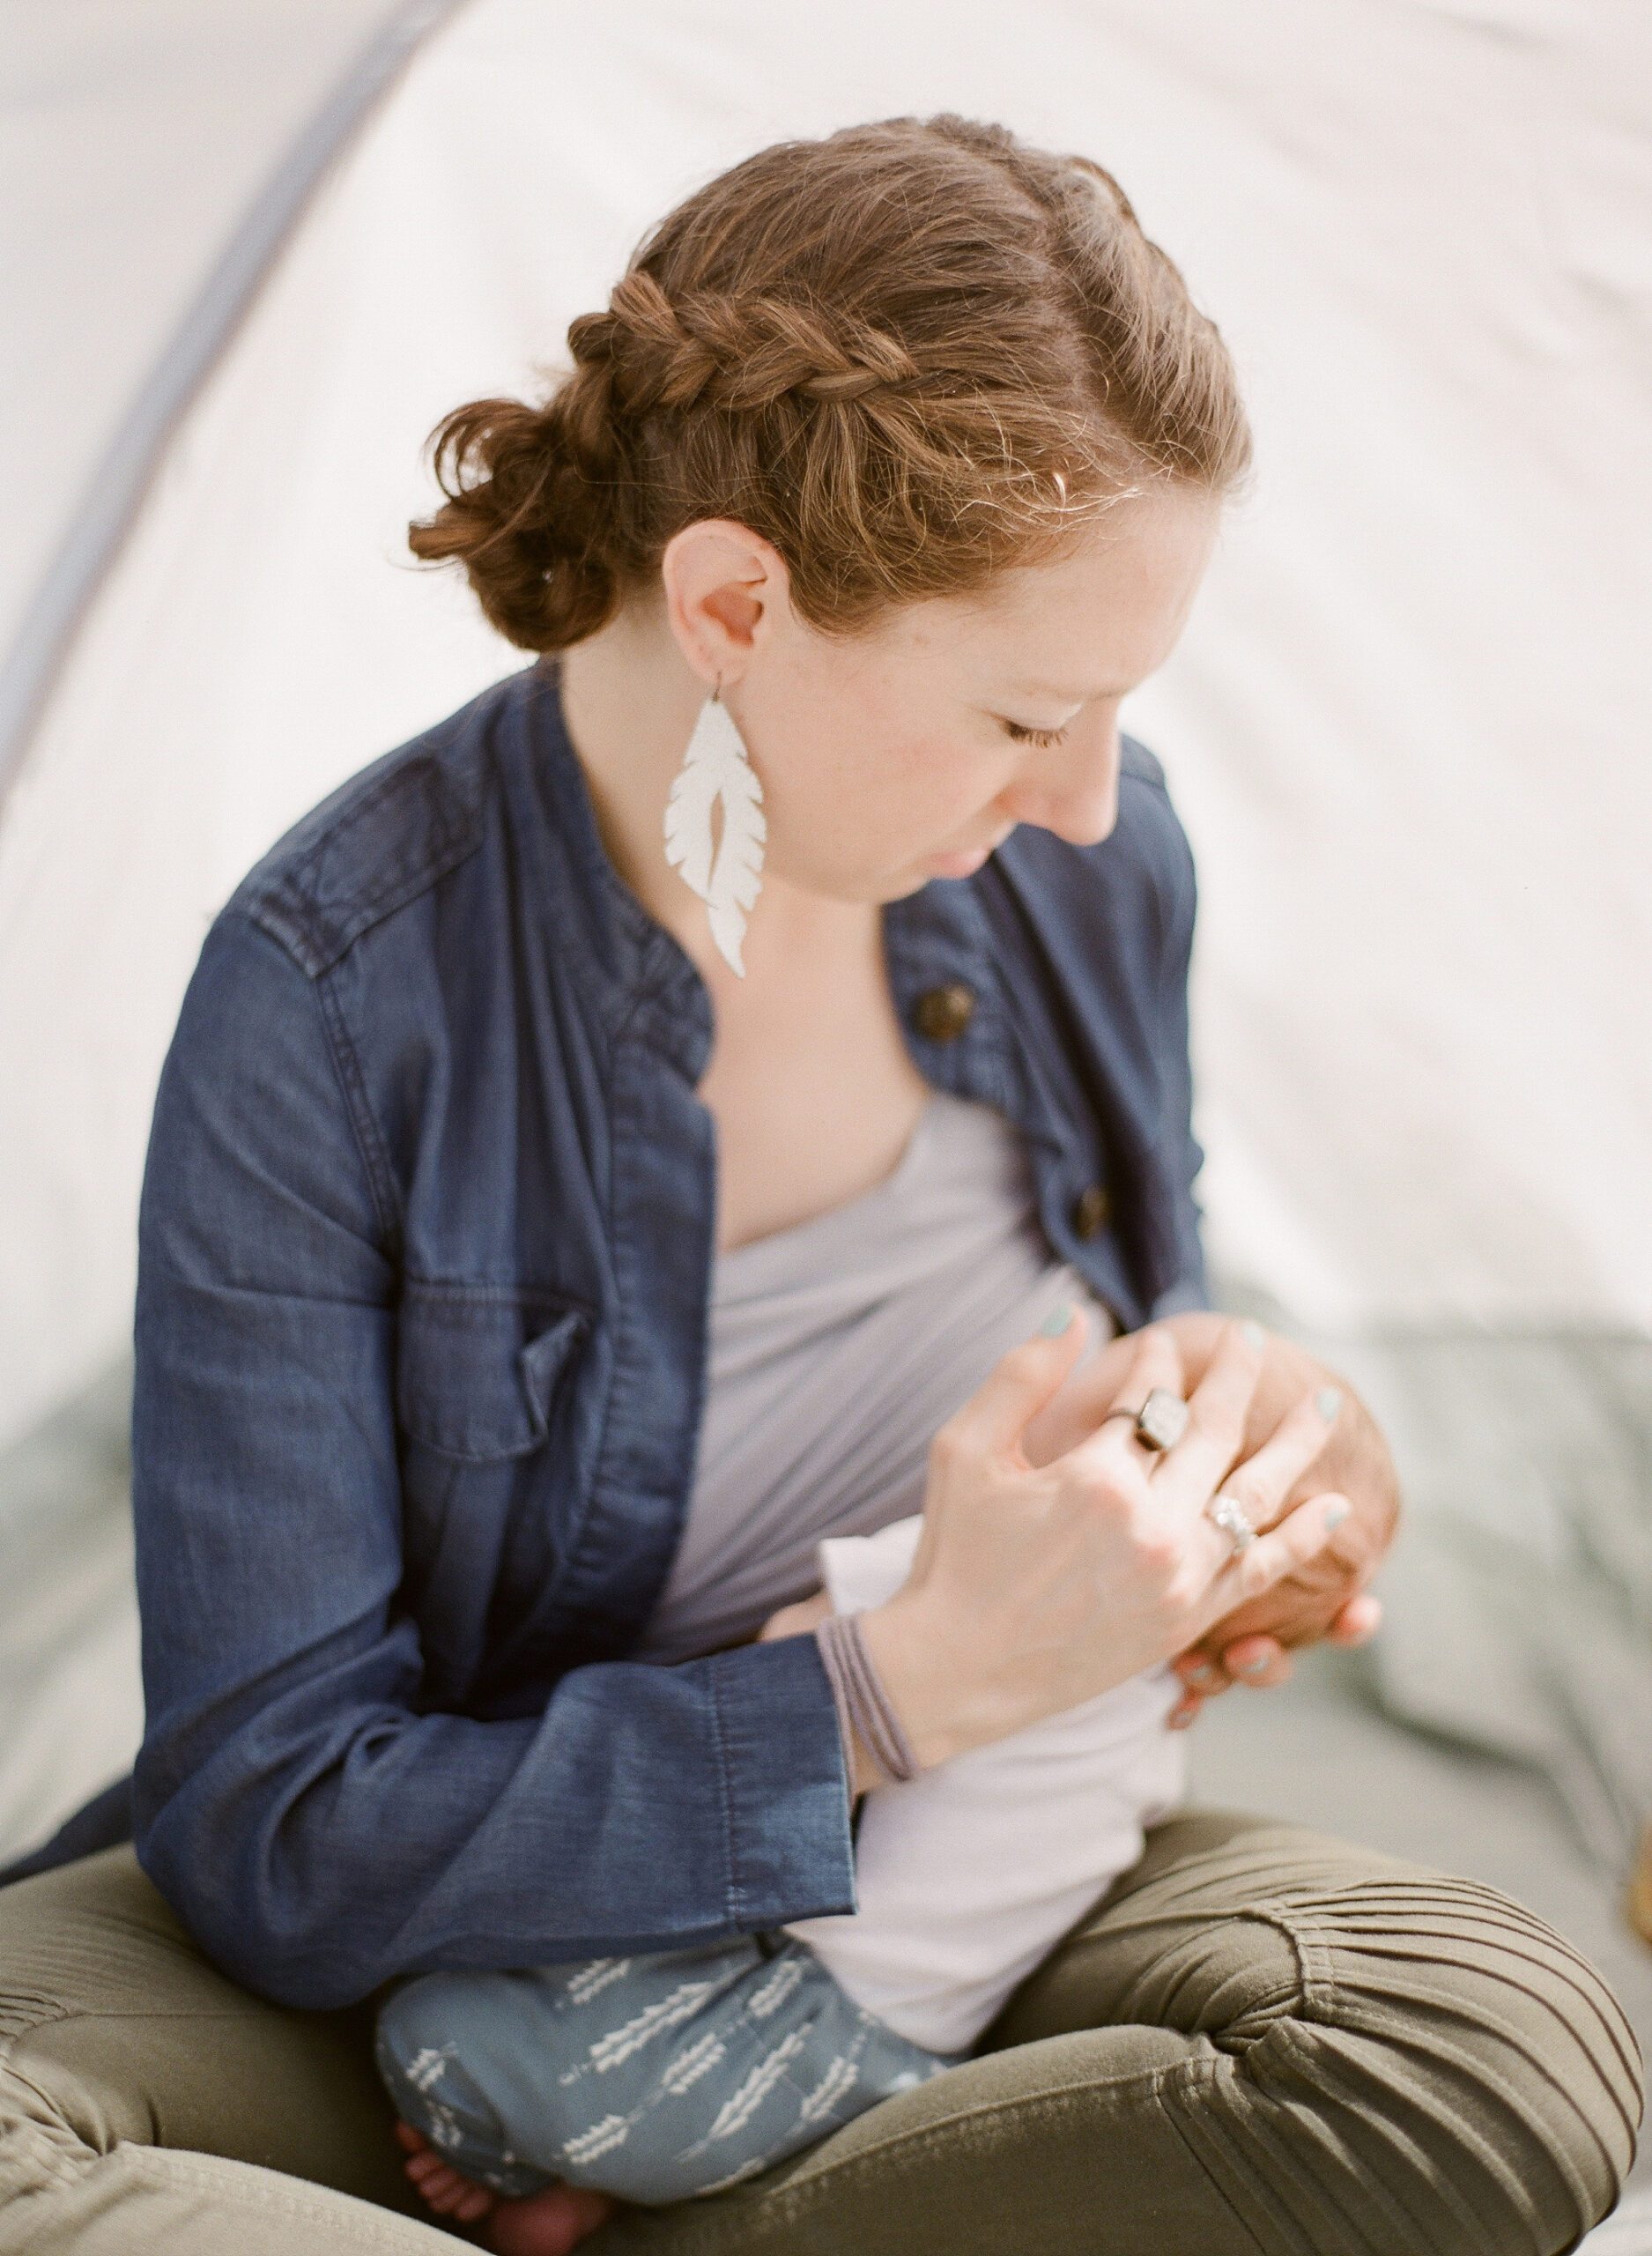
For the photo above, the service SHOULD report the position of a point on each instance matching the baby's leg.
(651, 2079)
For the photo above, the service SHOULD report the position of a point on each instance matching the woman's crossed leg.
(1263, 2044)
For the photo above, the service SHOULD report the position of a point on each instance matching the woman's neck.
(810, 1084)
(630, 702)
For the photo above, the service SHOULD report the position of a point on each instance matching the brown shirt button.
(941, 1014)
(1092, 1211)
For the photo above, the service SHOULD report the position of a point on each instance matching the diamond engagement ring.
(1162, 1420)
(1231, 1516)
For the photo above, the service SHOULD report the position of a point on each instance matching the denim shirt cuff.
(786, 1797)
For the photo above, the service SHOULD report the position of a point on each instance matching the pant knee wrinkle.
(1447, 2004)
(1503, 2201)
(1522, 2102)
(1286, 2167)
(38, 2151)
(1489, 1927)
(1412, 2018)
(1427, 2209)
(1453, 2033)
(22, 2013)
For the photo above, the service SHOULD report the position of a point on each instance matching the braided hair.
(908, 355)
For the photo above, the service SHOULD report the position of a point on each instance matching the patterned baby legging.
(654, 2078)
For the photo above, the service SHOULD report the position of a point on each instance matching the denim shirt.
(425, 1251)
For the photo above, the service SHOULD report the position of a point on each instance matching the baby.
(966, 1877)
(838, 1348)
(657, 2078)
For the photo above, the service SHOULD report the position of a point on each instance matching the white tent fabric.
(1405, 728)
(132, 139)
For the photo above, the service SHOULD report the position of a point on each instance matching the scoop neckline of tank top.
(833, 1218)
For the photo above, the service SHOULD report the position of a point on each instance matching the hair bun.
(525, 517)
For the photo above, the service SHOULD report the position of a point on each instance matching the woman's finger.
(992, 1422)
(1156, 1364)
(1155, 1368)
(1260, 1486)
(1297, 1538)
(1217, 1409)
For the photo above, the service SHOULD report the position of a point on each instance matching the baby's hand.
(1261, 1661)
(1327, 1598)
(798, 1620)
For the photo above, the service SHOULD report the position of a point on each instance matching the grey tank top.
(836, 1350)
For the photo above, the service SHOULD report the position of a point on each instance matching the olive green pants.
(1261, 2041)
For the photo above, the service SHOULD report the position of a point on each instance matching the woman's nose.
(1071, 789)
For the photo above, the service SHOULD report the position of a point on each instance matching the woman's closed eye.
(1018, 733)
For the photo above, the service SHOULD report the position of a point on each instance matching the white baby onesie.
(967, 1876)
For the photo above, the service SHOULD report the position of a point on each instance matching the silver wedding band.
(1228, 1514)
(1162, 1420)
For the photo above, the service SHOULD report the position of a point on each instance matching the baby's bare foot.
(449, 2193)
(539, 2224)
(548, 2223)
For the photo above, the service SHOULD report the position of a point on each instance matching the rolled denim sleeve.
(315, 1828)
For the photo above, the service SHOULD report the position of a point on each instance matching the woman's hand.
(1036, 1588)
(1327, 1598)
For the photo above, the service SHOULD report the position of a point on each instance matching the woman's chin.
(954, 865)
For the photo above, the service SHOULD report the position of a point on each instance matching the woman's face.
(910, 750)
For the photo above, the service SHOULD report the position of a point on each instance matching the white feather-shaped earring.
(715, 767)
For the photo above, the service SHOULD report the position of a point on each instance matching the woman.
(908, 449)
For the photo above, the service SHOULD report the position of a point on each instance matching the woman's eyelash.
(1042, 737)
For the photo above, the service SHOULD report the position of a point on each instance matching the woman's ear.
(727, 590)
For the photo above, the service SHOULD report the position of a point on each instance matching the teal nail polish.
(1252, 1334)
(1201, 1676)
(1252, 1667)
(1335, 1515)
(1057, 1321)
(1328, 1402)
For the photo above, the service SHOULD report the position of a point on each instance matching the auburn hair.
(908, 355)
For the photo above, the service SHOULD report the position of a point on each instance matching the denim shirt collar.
(636, 969)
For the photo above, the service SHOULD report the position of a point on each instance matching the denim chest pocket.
(478, 1367)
